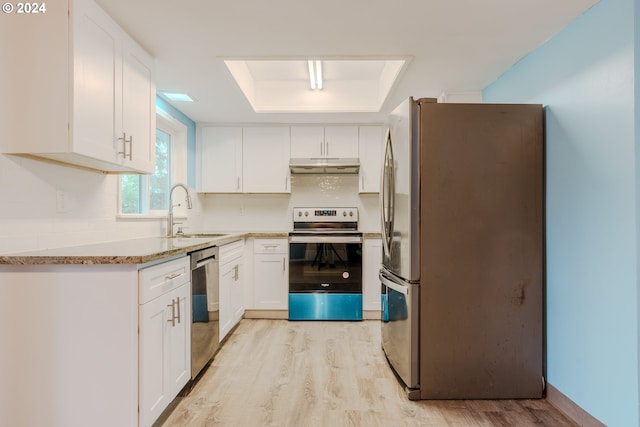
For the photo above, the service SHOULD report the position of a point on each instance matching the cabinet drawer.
(159, 279)
(270, 246)
(231, 250)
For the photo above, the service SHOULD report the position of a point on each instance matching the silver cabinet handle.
(238, 183)
(126, 141)
(174, 316)
(326, 151)
(173, 313)
(321, 149)
(283, 265)
(172, 276)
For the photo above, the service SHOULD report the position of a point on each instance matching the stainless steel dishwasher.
(205, 307)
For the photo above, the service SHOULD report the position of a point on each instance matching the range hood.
(324, 165)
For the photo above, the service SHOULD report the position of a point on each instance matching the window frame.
(178, 169)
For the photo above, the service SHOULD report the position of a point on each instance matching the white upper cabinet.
(244, 160)
(96, 91)
(341, 141)
(324, 142)
(370, 141)
(307, 141)
(265, 159)
(97, 54)
(220, 151)
(138, 107)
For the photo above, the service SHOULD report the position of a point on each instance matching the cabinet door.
(154, 389)
(35, 82)
(221, 160)
(179, 356)
(265, 159)
(341, 141)
(138, 118)
(227, 273)
(307, 142)
(237, 293)
(371, 283)
(97, 67)
(271, 281)
(370, 148)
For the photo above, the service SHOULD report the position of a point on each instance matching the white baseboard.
(284, 314)
(570, 409)
(266, 314)
(371, 315)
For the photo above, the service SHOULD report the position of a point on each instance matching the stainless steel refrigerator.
(462, 282)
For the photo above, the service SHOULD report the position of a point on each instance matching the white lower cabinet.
(102, 345)
(231, 289)
(371, 299)
(271, 274)
(164, 337)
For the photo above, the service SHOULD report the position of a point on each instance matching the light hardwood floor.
(333, 374)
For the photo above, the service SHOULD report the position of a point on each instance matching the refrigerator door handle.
(387, 194)
(393, 285)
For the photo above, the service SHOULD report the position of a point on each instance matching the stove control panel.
(325, 214)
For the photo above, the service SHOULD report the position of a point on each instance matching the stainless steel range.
(325, 264)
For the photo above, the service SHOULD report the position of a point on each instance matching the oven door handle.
(325, 239)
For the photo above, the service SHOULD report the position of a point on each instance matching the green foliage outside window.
(141, 194)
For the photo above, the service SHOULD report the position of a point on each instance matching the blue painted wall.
(191, 138)
(585, 77)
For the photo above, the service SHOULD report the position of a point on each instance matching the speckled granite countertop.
(136, 251)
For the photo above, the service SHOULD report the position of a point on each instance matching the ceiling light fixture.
(315, 74)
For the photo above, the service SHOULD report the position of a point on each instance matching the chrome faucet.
(170, 222)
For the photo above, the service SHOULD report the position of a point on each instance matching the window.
(148, 195)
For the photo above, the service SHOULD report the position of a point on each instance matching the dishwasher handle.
(393, 285)
(206, 261)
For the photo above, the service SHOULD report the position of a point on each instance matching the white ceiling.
(454, 45)
(284, 85)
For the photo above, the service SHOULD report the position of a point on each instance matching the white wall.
(273, 212)
(586, 77)
(29, 216)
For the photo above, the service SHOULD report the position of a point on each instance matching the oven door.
(325, 277)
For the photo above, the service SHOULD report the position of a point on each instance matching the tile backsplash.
(46, 205)
(273, 212)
